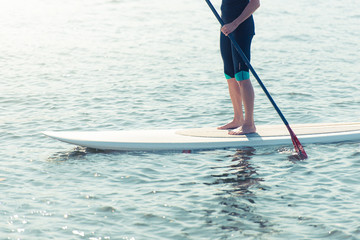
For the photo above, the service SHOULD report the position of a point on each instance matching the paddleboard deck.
(207, 138)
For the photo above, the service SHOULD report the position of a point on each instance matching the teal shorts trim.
(227, 77)
(240, 76)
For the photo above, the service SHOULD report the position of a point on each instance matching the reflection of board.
(208, 138)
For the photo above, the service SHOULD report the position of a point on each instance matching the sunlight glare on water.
(123, 65)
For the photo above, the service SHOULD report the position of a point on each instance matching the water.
(112, 65)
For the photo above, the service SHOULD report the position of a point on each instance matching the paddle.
(297, 145)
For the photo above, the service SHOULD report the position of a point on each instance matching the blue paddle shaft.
(247, 62)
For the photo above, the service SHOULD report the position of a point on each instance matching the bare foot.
(244, 129)
(230, 125)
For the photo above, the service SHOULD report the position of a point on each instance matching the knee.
(244, 83)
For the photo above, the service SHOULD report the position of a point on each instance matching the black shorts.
(234, 65)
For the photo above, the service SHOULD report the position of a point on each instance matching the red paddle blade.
(297, 145)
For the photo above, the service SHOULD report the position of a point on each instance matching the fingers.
(225, 31)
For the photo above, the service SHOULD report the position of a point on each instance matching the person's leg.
(234, 89)
(243, 79)
(236, 99)
(248, 99)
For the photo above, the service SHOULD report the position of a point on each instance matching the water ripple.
(113, 65)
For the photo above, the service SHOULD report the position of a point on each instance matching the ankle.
(238, 120)
(248, 123)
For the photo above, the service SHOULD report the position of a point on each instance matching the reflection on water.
(238, 183)
(77, 153)
(240, 174)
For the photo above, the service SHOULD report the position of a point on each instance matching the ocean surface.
(140, 64)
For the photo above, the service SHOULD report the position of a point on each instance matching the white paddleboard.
(207, 138)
